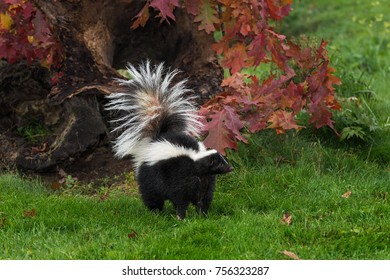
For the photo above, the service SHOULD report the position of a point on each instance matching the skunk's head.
(211, 163)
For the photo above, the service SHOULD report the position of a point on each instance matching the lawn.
(305, 193)
(292, 175)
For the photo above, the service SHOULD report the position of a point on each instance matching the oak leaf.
(30, 213)
(165, 7)
(347, 194)
(286, 218)
(236, 58)
(142, 17)
(207, 16)
(218, 136)
(282, 120)
(290, 255)
(40, 149)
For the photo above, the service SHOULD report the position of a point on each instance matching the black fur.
(150, 110)
(181, 179)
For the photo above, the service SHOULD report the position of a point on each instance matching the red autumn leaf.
(256, 49)
(320, 116)
(28, 37)
(279, 8)
(255, 121)
(30, 213)
(282, 120)
(236, 82)
(40, 149)
(193, 6)
(234, 123)
(165, 7)
(236, 58)
(56, 77)
(219, 136)
(303, 57)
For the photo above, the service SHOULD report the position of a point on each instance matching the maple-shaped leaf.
(282, 120)
(234, 123)
(320, 116)
(256, 48)
(207, 16)
(255, 121)
(218, 136)
(303, 57)
(321, 51)
(165, 7)
(237, 82)
(279, 9)
(193, 6)
(236, 58)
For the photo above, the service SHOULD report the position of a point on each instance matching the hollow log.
(96, 40)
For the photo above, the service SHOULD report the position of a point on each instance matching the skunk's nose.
(229, 168)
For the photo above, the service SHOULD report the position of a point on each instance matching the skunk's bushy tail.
(150, 107)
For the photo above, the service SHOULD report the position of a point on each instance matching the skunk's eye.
(212, 162)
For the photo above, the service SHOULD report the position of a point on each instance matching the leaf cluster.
(25, 34)
(300, 78)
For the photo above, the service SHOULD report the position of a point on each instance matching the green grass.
(273, 175)
(358, 32)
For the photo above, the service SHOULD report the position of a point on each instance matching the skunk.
(157, 128)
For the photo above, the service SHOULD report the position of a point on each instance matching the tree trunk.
(96, 39)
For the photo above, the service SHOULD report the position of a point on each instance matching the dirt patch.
(97, 165)
(92, 167)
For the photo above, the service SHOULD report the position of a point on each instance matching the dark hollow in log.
(96, 39)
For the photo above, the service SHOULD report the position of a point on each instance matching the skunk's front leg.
(181, 209)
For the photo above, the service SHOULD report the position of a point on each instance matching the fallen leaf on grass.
(31, 213)
(132, 234)
(347, 194)
(290, 255)
(286, 219)
(2, 220)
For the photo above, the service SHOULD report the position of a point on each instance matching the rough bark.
(96, 39)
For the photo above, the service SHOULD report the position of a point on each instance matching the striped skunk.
(157, 129)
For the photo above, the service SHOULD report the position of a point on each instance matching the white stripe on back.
(152, 153)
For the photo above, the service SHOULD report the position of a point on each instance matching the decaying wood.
(96, 39)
